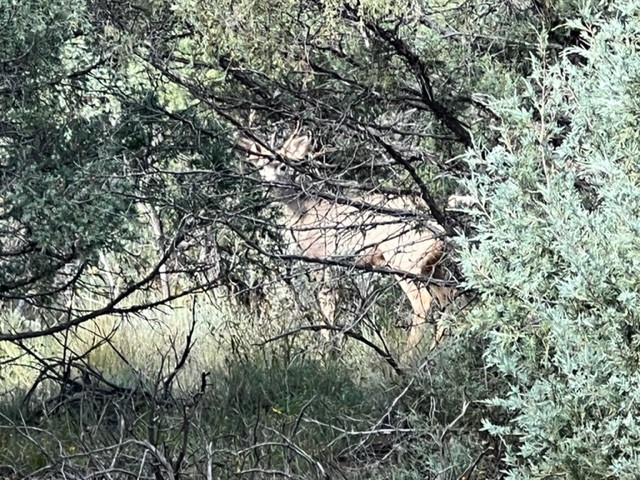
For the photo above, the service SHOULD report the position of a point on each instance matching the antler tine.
(323, 151)
(249, 141)
(252, 143)
(293, 135)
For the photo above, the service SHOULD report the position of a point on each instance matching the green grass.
(294, 406)
(285, 402)
(255, 412)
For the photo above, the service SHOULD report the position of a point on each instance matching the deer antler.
(293, 135)
(252, 117)
(323, 151)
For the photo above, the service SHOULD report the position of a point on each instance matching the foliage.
(554, 259)
(120, 193)
(90, 156)
(116, 120)
(445, 407)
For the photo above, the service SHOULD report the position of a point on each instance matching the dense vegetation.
(156, 323)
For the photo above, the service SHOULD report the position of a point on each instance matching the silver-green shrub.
(556, 259)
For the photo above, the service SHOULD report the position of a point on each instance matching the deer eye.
(283, 168)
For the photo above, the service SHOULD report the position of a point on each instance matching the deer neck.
(296, 204)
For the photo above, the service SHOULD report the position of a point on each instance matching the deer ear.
(297, 148)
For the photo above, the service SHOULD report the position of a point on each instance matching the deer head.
(275, 166)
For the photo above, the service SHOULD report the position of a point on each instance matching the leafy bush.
(445, 408)
(556, 258)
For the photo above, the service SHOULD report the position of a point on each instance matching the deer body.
(363, 231)
(327, 229)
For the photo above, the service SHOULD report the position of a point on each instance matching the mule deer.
(367, 230)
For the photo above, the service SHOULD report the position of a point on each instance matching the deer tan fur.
(361, 230)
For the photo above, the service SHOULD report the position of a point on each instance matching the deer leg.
(326, 297)
(421, 301)
(443, 296)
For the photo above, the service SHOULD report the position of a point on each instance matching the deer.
(366, 230)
